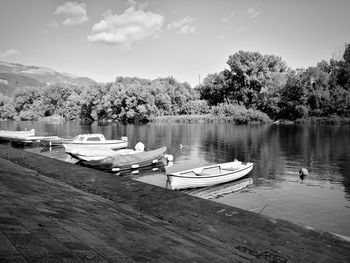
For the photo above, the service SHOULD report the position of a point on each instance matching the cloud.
(124, 29)
(51, 26)
(9, 53)
(252, 12)
(182, 25)
(187, 29)
(226, 19)
(54, 24)
(73, 13)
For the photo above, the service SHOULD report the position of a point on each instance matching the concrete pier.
(51, 211)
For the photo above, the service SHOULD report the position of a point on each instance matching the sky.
(185, 39)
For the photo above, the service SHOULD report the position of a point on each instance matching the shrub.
(239, 114)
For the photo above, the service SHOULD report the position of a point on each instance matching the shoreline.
(209, 118)
(248, 232)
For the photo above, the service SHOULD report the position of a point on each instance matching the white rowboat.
(209, 175)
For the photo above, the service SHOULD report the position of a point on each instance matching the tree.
(294, 97)
(24, 100)
(54, 98)
(250, 72)
(72, 107)
(270, 95)
(343, 72)
(215, 88)
(7, 109)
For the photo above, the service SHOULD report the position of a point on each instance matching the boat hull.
(6, 136)
(198, 177)
(96, 154)
(114, 145)
(122, 162)
(31, 141)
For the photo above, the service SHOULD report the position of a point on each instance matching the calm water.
(273, 188)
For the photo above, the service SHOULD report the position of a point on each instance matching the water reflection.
(219, 191)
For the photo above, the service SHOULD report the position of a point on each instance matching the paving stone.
(76, 246)
(8, 221)
(112, 254)
(33, 251)
(12, 259)
(19, 239)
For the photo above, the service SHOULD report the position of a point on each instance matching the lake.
(273, 188)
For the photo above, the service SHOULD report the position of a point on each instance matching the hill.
(14, 76)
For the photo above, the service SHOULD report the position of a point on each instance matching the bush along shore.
(223, 113)
(255, 88)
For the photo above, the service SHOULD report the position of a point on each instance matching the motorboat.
(94, 140)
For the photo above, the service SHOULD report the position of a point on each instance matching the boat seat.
(210, 171)
(230, 168)
(191, 173)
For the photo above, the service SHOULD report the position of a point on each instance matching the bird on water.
(303, 172)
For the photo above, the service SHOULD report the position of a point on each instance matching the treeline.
(256, 87)
(265, 83)
(126, 99)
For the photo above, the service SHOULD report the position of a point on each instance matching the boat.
(120, 160)
(99, 153)
(95, 154)
(6, 135)
(94, 140)
(34, 141)
(48, 142)
(208, 175)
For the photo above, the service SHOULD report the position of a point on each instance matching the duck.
(303, 172)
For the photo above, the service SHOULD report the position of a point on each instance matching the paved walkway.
(43, 218)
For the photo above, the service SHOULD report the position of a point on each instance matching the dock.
(52, 211)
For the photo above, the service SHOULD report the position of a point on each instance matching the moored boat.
(24, 141)
(122, 160)
(6, 135)
(94, 140)
(209, 175)
(48, 142)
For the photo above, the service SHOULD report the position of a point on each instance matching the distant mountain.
(13, 76)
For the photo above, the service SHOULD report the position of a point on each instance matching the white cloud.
(54, 24)
(51, 26)
(122, 30)
(252, 12)
(180, 22)
(183, 25)
(187, 29)
(73, 13)
(9, 53)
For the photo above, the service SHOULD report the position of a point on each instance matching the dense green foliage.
(255, 88)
